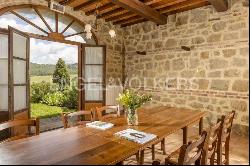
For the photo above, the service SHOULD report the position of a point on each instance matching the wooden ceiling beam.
(112, 12)
(188, 7)
(143, 10)
(219, 5)
(134, 22)
(124, 21)
(100, 9)
(121, 16)
(66, 2)
(165, 3)
(85, 4)
(184, 4)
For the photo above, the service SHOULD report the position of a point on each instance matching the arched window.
(44, 22)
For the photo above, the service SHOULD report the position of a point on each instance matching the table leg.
(201, 126)
(185, 133)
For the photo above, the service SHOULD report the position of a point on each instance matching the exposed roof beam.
(111, 12)
(67, 2)
(134, 22)
(127, 20)
(86, 4)
(143, 10)
(219, 5)
(100, 9)
(121, 16)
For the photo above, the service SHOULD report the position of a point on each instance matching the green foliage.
(54, 99)
(61, 75)
(45, 111)
(133, 100)
(39, 90)
(71, 98)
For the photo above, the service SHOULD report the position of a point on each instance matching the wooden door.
(94, 76)
(19, 105)
(4, 111)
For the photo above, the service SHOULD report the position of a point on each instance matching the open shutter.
(19, 104)
(94, 76)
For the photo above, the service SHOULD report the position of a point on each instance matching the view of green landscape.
(53, 81)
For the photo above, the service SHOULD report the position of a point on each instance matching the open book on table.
(100, 125)
(136, 136)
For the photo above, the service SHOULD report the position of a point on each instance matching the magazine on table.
(100, 125)
(136, 136)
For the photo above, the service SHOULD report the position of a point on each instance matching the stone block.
(221, 85)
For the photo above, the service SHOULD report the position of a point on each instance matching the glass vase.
(132, 117)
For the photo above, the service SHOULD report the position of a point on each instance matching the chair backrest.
(103, 115)
(19, 123)
(78, 115)
(191, 153)
(211, 142)
(224, 135)
(227, 123)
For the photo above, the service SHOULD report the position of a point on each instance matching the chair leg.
(138, 157)
(142, 157)
(227, 152)
(163, 146)
(153, 152)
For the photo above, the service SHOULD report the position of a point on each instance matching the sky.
(42, 52)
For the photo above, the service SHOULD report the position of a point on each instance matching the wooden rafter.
(134, 22)
(67, 2)
(65, 29)
(112, 12)
(29, 22)
(42, 18)
(181, 5)
(121, 16)
(86, 4)
(79, 33)
(56, 21)
(219, 5)
(127, 20)
(143, 10)
(100, 9)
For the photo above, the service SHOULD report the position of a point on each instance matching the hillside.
(44, 70)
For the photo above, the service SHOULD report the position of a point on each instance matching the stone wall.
(212, 77)
(114, 46)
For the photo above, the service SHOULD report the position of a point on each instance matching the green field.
(46, 78)
(45, 111)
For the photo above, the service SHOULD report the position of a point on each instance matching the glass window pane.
(94, 55)
(19, 46)
(19, 70)
(31, 15)
(3, 46)
(94, 73)
(49, 17)
(20, 98)
(74, 28)
(8, 19)
(93, 92)
(76, 38)
(63, 22)
(3, 71)
(4, 98)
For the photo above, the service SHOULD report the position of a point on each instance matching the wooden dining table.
(87, 146)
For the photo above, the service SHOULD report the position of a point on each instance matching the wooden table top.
(82, 146)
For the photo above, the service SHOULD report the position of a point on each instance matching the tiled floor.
(239, 150)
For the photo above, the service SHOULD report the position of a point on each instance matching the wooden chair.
(224, 139)
(102, 114)
(79, 115)
(210, 146)
(188, 154)
(20, 123)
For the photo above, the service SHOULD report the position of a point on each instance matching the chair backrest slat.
(102, 112)
(19, 123)
(192, 152)
(66, 116)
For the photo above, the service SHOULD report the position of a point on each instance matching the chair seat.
(172, 159)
